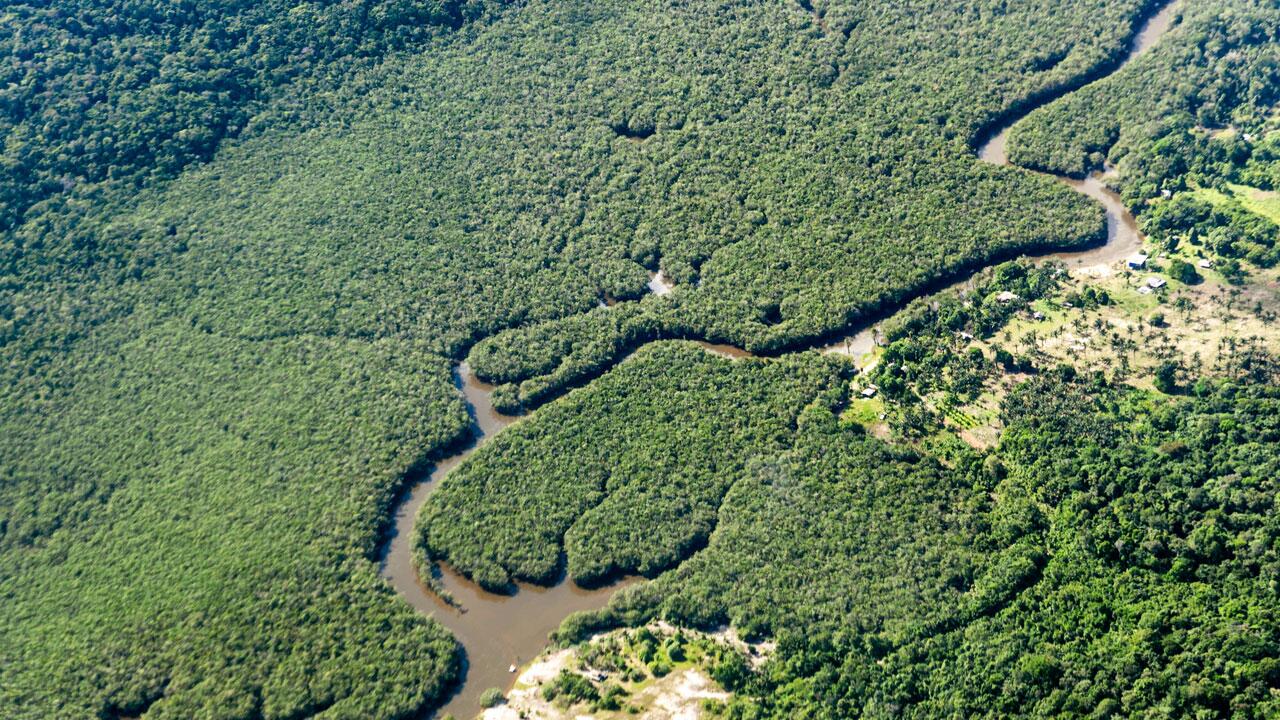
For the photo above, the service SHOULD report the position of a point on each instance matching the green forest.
(1198, 114)
(244, 246)
(600, 471)
(1117, 557)
(1220, 69)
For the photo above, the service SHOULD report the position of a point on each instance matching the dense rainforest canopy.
(602, 473)
(1220, 69)
(242, 245)
(1116, 557)
(105, 91)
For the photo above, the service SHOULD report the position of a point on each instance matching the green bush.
(1184, 272)
(570, 688)
(492, 697)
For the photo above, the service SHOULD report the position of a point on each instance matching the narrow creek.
(499, 631)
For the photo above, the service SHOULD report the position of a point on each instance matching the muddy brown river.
(1123, 236)
(498, 631)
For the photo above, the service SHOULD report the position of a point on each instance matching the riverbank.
(655, 672)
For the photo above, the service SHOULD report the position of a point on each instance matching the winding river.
(499, 631)
(1123, 236)
(496, 631)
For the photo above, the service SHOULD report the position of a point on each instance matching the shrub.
(492, 698)
(572, 688)
(1184, 272)
(1166, 378)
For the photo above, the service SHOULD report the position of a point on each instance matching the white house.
(1137, 261)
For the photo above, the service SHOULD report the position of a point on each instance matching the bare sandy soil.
(682, 694)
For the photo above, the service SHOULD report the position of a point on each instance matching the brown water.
(498, 631)
(1123, 236)
(732, 352)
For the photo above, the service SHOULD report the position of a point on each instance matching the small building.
(1155, 283)
(1037, 316)
(869, 391)
(965, 336)
(1137, 261)
(1007, 297)
(1205, 263)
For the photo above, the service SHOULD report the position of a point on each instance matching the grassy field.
(1261, 202)
(1264, 202)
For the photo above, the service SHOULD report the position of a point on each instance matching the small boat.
(511, 669)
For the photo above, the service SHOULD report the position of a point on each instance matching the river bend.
(499, 631)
